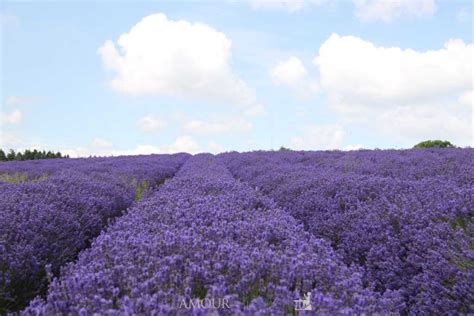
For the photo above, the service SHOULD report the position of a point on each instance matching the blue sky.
(234, 75)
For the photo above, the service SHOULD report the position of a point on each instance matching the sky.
(123, 78)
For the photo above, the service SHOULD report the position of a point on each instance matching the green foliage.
(434, 144)
(198, 290)
(13, 178)
(29, 155)
(140, 189)
(11, 155)
(20, 177)
(3, 156)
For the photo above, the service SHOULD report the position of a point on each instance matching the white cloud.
(356, 71)
(293, 74)
(388, 10)
(402, 92)
(410, 124)
(255, 111)
(319, 137)
(288, 5)
(98, 147)
(365, 10)
(151, 123)
(159, 56)
(15, 101)
(103, 147)
(9, 140)
(467, 99)
(138, 150)
(214, 127)
(288, 72)
(353, 147)
(13, 117)
(183, 143)
(101, 143)
(215, 148)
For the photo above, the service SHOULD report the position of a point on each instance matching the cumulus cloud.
(365, 10)
(12, 117)
(151, 123)
(103, 147)
(292, 73)
(353, 147)
(159, 56)
(289, 72)
(357, 72)
(183, 143)
(407, 94)
(217, 126)
(91, 150)
(388, 10)
(319, 137)
(9, 140)
(409, 124)
(288, 5)
(215, 148)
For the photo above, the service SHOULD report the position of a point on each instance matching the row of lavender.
(45, 222)
(205, 236)
(404, 217)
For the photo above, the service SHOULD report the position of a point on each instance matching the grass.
(140, 188)
(20, 177)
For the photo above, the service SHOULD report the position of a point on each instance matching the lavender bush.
(46, 223)
(366, 232)
(405, 217)
(205, 235)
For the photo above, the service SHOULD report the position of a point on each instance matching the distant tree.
(434, 144)
(3, 157)
(19, 156)
(11, 155)
(36, 154)
(284, 149)
(29, 155)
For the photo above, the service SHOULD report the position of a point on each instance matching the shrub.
(434, 144)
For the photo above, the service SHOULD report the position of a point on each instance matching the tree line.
(29, 155)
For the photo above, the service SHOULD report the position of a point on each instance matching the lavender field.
(362, 232)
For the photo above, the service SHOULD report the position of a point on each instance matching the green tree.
(11, 155)
(29, 155)
(434, 144)
(36, 154)
(19, 156)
